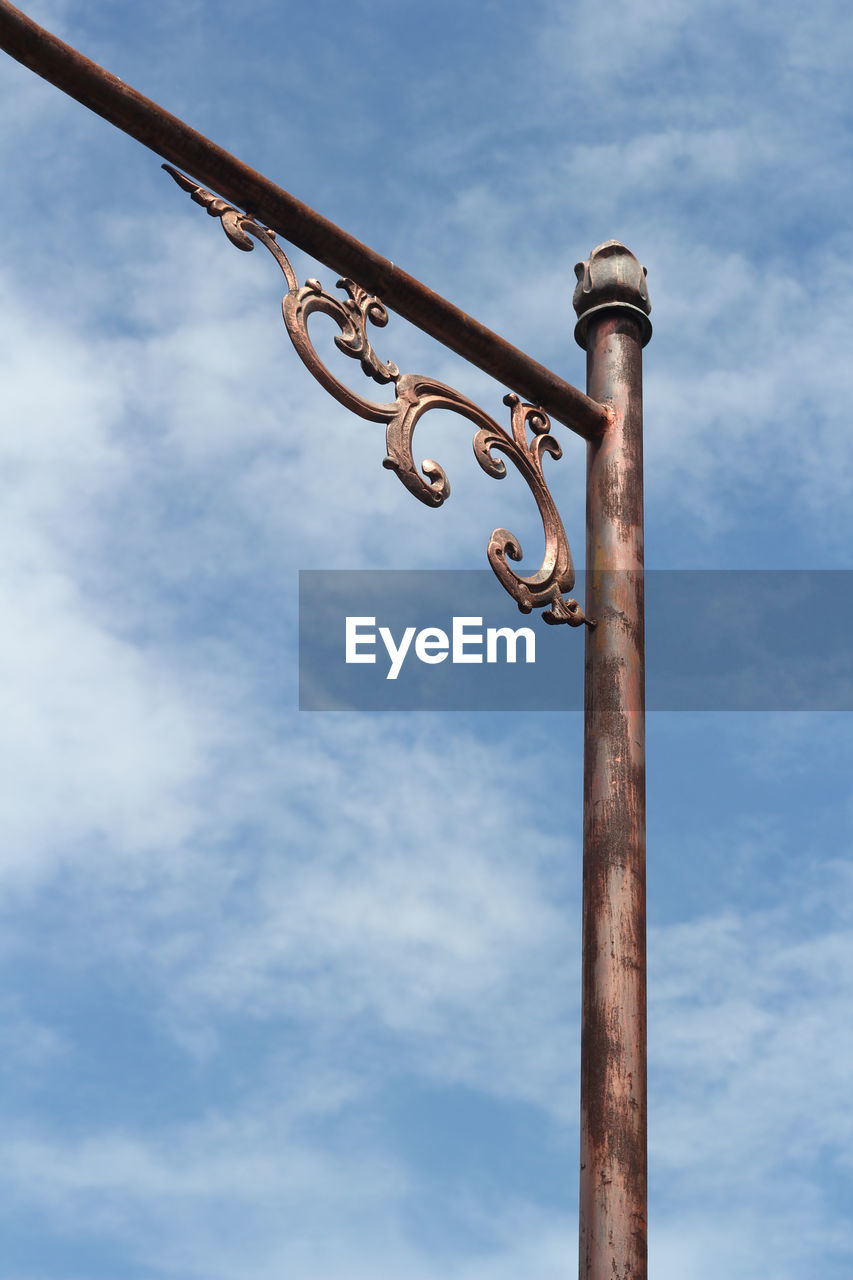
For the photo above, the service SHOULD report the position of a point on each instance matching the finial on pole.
(611, 277)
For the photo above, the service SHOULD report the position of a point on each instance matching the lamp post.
(612, 303)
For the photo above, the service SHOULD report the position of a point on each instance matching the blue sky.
(294, 995)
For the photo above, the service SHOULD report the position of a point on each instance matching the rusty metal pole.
(613, 326)
(612, 303)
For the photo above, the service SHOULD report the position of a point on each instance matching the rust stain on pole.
(612, 304)
(175, 141)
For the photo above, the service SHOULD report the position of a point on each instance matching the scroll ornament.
(524, 445)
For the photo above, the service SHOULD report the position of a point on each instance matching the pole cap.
(611, 278)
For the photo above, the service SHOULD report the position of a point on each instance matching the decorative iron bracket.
(524, 445)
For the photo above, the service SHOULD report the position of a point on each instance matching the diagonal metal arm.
(177, 142)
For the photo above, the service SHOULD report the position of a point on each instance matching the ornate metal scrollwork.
(416, 396)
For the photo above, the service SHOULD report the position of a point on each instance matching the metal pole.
(612, 303)
(613, 326)
(208, 163)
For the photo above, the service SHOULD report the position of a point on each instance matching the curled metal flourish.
(415, 396)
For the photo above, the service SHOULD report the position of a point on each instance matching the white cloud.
(749, 1060)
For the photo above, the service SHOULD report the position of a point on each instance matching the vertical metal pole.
(612, 303)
